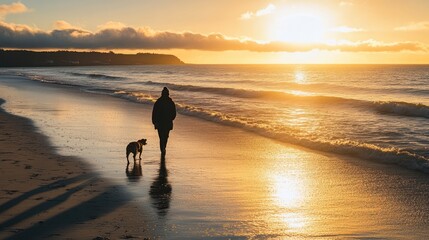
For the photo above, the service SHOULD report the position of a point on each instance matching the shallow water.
(222, 182)
(375, 112)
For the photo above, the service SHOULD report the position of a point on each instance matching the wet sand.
(216, 182)
(49, 196)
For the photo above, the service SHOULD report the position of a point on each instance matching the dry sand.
(45, 195)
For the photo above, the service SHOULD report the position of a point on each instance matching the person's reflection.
(160, 190)
(135, 172)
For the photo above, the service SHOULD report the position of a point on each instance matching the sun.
(299, 27)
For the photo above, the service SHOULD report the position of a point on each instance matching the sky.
(225, 31)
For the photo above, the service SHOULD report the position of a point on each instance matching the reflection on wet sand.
(135, 172)
(160, 190)
(291, 192)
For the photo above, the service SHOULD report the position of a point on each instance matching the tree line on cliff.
(24, 58)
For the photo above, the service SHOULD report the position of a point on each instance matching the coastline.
(223, 182)
(26, 58)
(46, 195)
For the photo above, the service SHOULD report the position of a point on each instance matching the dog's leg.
(140, 156)
(127, 154)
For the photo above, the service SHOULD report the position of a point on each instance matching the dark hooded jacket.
(163, 113)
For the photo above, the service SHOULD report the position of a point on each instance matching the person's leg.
(166, 135)
(163, 139)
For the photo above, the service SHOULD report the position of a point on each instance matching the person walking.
(163, 114)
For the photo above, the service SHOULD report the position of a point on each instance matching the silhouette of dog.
(134, 147)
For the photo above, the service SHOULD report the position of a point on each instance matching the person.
(163, 114)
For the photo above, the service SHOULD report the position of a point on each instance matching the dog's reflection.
(134, 173)
(160, 190)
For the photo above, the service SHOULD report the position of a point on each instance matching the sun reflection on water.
(300, 93)
(294, 220)
(300, 77)
(289, 193)
(296, 117)
(289, 198)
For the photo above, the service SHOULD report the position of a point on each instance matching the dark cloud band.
(21, 36)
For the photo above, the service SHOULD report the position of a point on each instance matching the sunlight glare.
(300, 93)
(299, 77)
(294, 220)
(288, 191)
(299, 118)
(301, 26)
(300, 29)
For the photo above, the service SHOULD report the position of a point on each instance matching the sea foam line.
(94, 75)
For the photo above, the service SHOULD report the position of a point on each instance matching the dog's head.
(142, 141)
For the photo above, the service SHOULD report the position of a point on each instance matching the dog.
(134, 147)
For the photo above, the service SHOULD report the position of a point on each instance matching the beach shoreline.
(49, 196)
(218, 181)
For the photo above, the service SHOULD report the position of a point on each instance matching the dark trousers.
(163, 138)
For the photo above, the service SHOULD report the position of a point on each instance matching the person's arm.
(173, 116)
(155, 115)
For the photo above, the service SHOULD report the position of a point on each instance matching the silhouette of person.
(163, 114)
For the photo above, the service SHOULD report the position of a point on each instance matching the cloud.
(6, 9)
(246, 15)
(111, 25)
(63, 25)
(15, 28)
(345, 29)
(261, 12)
(269, 9)
(22, 36)
(377, 46)
(74, 31)
(419, 26)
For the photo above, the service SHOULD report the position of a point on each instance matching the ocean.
(332, 160)
(371, 112)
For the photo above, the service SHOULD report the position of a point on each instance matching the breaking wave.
(383, 107)
(357, 149)
(94, 76)
(403, 109)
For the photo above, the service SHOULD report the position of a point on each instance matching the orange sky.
(252, 31)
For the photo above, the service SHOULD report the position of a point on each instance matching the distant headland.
(24, 58)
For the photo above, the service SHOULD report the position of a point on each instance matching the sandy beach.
(64, 176)
(48, 196)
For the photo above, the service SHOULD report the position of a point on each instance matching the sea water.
(221, 182)
(375, 112)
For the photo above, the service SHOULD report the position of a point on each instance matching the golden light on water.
(300, 93)
(294, 221)
(299, 77)
(287, 191)
(300, 118)
(289, 197)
